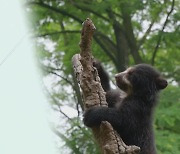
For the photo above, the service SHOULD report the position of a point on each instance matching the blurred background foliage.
(127, 33)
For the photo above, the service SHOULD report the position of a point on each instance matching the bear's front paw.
(91, 117)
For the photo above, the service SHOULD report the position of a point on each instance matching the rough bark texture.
(94, 95)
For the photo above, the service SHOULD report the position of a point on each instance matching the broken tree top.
(86, 35)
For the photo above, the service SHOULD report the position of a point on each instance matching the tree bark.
(94, 95)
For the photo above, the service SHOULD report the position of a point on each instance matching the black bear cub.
(130, 112)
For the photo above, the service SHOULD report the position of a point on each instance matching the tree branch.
(94, 95)
(65, 13)
(116, 14)
(161, 33)
(58, 32)
(64, 114)
(145, 35)
(61, 11)
(58, 106)
(78, 93)
(87, 9)
(64, 78)
(106, 38)
(108, 52)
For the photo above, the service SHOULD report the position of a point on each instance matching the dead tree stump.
(93, 94)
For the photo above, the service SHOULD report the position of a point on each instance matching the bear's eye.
(130, 72)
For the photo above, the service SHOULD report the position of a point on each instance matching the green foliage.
(167, 122)
(79, 139)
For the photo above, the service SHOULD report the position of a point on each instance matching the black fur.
(130, 116)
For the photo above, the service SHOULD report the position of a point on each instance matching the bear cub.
(130, 108)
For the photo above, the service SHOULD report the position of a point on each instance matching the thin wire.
(14, 49)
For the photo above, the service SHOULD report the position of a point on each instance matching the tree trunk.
(128, 31)
(94, 95)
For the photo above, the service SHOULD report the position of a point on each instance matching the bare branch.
(64, 114)
(161, 33)
(64, 78)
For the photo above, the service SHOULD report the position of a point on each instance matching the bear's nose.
(116, 75)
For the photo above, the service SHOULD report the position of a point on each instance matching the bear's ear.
(161, 83)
